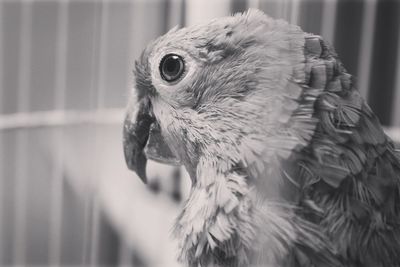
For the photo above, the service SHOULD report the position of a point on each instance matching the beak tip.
(142, 177)
(140, 166)
(136, 161)
(140, 173)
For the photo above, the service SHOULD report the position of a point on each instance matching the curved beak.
(135, 136)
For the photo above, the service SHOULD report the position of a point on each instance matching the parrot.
(289, 166)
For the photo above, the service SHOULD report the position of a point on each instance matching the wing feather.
(349, 170)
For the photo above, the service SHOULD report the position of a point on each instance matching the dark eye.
(172, 67)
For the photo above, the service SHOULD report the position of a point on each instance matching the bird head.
(219, 95)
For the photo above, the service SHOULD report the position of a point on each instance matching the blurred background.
(66, 196)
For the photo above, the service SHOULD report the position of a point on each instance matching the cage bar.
(57, 179)
(20, 197)
(366, 49)
(2, 149)
(295, 12)
(396, 106)
(329, 20)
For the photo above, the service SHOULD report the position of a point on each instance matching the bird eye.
(172, 67)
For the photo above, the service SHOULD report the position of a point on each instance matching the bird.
(289, 166)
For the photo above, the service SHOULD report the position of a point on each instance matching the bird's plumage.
(289, 165)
